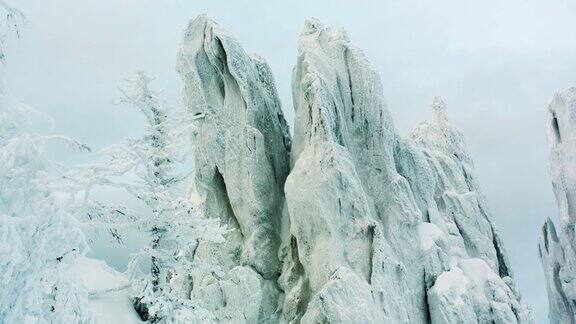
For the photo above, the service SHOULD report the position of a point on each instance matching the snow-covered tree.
(147, 169)
(10, 24)
(39, 239)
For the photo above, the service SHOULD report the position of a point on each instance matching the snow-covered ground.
(111, 307)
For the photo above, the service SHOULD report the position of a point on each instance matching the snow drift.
(106, 304)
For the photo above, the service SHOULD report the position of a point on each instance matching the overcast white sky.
(496, 64)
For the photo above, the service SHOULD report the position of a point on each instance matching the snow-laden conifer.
(148, 168)
(39, 240)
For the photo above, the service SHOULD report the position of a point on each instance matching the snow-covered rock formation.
(467, 271)
(382, 228)
(368, 226)
(558, 249)
(241, 147)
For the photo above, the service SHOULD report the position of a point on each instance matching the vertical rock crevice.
(220, 188)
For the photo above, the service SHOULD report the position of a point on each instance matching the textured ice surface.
(241, 146)
(367, 227)
(383, 228)
(557, 249)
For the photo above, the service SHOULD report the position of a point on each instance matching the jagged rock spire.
(439, 109)
(355, 180)
(440, 135)
(458, 237)
(241, 147)
(557, 249)
(368, 226)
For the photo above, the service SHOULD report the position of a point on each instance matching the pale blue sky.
(496, 63)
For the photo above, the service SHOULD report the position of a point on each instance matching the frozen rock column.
(468, 277)
(557, 248)
(382, 229)
(241, 152)
(352, 216)
(373, 228)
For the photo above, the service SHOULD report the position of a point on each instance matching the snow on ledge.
(112, 307)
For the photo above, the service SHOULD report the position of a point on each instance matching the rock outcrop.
(383, 228)
(241, 150)
(352, 223)
(467, 272)
(558, 249)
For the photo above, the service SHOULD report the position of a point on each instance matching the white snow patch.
(429, 234)
(453, 280)
(473, 276)
(195, 198)
(478, 271)
(108, 308)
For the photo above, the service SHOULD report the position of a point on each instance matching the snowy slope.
(109, 308)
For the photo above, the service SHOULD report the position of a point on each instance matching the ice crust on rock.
(241, 146)
(378, 221)
(557, 248)
(390, 229)
(352, 223)
(342, 190)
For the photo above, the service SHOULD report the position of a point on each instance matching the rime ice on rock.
(368, 227)
(359, 195)
(241, 146)
(467, 271)
(348, 207)
(557, 249)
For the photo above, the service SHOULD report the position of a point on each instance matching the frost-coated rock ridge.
(557, 249)
(241, 147)
(352, 223)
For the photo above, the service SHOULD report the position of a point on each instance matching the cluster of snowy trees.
(146, 168)
(48, 209)
(39, 239)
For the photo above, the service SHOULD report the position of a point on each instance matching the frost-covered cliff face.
(367, 227)
(558, 249)
(382, 228)
(241, 147)
(466, 269)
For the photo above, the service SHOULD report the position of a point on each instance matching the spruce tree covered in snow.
(39, 239)
(147, 169)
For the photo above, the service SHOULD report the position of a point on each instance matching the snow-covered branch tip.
(70, 142)
(96, 293)
(13, 19)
